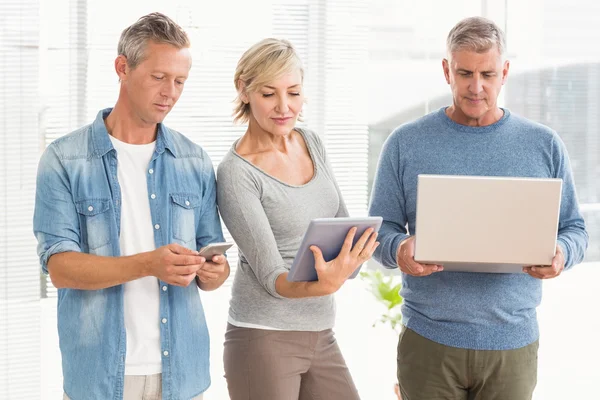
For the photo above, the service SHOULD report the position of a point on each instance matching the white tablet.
(328, 234)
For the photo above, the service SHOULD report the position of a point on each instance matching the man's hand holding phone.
(215, 266)
(174, 264)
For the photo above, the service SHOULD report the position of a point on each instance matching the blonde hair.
(476, 34)
(156, 27)
(261, 64)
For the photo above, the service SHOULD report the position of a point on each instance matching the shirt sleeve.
(572, 234)
(209, 229)
(387, 201)
(55, 219)
(238, 196)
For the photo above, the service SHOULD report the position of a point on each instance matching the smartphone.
(214, 249)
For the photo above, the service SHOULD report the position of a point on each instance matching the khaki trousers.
(142, 387)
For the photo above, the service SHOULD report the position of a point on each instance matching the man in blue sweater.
(470, 335)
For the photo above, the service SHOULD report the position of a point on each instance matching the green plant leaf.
(387, 292)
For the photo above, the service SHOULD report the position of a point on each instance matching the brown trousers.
(428, 370)
(285, 365)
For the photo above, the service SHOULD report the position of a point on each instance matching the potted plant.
(386, 290)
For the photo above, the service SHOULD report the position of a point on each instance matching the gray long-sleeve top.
(267, 219)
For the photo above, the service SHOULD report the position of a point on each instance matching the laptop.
(486, 224)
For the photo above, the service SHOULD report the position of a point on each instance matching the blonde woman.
(279, 343)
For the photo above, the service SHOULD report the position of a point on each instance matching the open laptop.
(486, 224)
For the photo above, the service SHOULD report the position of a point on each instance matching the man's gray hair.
(476, 34)
(154, 27)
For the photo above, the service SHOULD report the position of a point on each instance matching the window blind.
(19, 152)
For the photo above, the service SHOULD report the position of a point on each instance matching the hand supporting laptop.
(548, 271)
(406, 260)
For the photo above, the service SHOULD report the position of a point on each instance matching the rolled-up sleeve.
(55, 219)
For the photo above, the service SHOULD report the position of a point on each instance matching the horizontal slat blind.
(19, 150)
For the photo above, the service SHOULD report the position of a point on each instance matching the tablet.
(328, 234)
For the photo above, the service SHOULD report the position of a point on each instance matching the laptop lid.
(486, 224)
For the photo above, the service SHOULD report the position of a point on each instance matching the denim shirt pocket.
(184, 209)
(95, 222)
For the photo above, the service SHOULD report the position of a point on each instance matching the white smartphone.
(214, 249)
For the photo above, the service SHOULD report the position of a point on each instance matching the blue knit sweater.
(470, 310)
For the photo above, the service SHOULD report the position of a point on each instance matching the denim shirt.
(78, 208)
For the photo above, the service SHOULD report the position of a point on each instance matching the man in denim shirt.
(122, 205)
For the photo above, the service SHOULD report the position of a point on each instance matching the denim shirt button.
(151, 171)
(164, 320)
(90, 208)
(157, 226)
(152, 196)
(166, 353)
(164, 288)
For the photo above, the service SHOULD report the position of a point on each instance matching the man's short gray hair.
(154, 27)
(476, 34)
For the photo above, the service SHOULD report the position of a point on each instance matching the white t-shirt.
(141, 296)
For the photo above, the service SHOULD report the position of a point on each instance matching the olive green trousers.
(431, 371)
